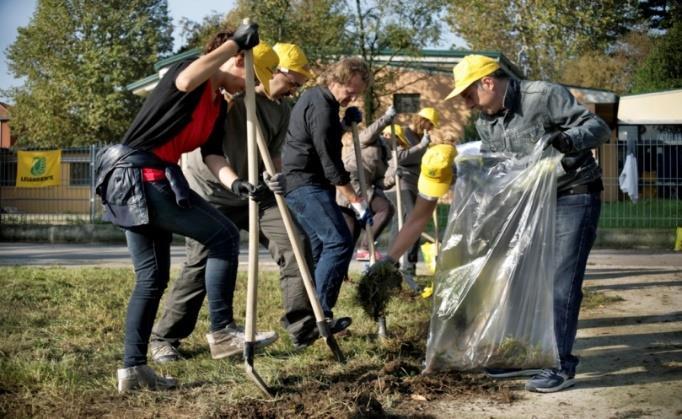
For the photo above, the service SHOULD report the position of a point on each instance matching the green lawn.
(62, 341)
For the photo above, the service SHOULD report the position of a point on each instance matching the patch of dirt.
(359, 396)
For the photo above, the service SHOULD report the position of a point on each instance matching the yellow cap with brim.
(265, 62)
(431, 114)
(398, 130)
(471, 69)
(292, 58)
(436, 170)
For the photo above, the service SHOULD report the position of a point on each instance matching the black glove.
(246, 36)
(400, 172)
(558, 140)
(276, 182)
(352, 114)
(261, 193)
(242, 188)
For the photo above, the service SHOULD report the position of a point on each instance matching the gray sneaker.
(163, 352)
(230, 340)
(142, 376)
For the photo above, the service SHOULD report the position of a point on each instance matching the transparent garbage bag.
(493, 296)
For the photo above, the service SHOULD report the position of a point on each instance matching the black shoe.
(305, 339)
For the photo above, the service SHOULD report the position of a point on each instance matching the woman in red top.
(184, 110)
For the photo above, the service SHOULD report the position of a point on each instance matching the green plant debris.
(376, 287)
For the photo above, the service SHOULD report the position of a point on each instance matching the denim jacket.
(533, 108)
(118, 174)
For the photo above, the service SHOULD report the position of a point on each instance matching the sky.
(16, 13)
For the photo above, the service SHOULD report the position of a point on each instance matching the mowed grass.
(62, 341)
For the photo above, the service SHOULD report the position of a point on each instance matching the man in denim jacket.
(514, 115)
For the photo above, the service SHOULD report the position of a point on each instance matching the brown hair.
(419, 124)
(218, 39)
(342, 71)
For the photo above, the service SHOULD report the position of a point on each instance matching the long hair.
(218, 39)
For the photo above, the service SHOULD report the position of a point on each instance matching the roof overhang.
(660, 108)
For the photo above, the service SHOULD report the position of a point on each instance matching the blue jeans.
(149, 247)
(576, 229)
(316, 210)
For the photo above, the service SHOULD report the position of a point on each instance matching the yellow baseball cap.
(469, 70)
(265, 62)
(292, 58)
(398, 133)
(431, 114)
(436, 170)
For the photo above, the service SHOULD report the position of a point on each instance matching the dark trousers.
(577, 217)
(316, 210)
(182, 308)
(149, 247)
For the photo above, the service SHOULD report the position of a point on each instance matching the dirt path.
(630, 350)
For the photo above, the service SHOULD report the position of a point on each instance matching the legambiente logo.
(38, 166)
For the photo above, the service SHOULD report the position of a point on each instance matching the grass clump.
(381, 282)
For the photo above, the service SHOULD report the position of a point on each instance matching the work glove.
(558, 140)
(242, 188)
(390, 113)
(352, 114)
(276, 183)
(246, 36)
(362, 212)
(426, 139)
(261, 193)
(400, 171)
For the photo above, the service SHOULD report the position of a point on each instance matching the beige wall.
(432, 88)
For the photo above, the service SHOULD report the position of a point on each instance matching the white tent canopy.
(660, 108)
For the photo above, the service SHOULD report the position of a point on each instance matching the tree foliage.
(662, 68)
(379, 29)
(76, 57)
(328, 29)
(611, 70)
(541, 35)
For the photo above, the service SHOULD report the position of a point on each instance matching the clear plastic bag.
(493, 299)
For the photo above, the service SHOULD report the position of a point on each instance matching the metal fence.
(73, 201)
(658, 149)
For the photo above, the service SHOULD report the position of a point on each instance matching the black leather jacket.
(118, 174)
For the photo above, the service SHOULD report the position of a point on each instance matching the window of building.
(406, 102)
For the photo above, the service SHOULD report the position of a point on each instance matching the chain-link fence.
(657, 148)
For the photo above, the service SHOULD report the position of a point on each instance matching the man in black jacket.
(314, 171)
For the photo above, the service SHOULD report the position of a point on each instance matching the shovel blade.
(251, 372)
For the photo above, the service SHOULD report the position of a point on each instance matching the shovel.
(381, 321)
(409, 280)
(251, 293)
(322, 325)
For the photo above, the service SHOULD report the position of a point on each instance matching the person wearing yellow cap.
(144, 191)
(287, 64)
(435, 178)
(514, 116)
(375, 154)
(412, 145)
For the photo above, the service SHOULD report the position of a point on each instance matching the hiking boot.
(141, 376)
(550, 380)
(335, 326)
(163, 352)
(230, 340)
(511, 372)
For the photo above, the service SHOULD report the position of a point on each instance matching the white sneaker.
(230, 340)
(142, 376)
